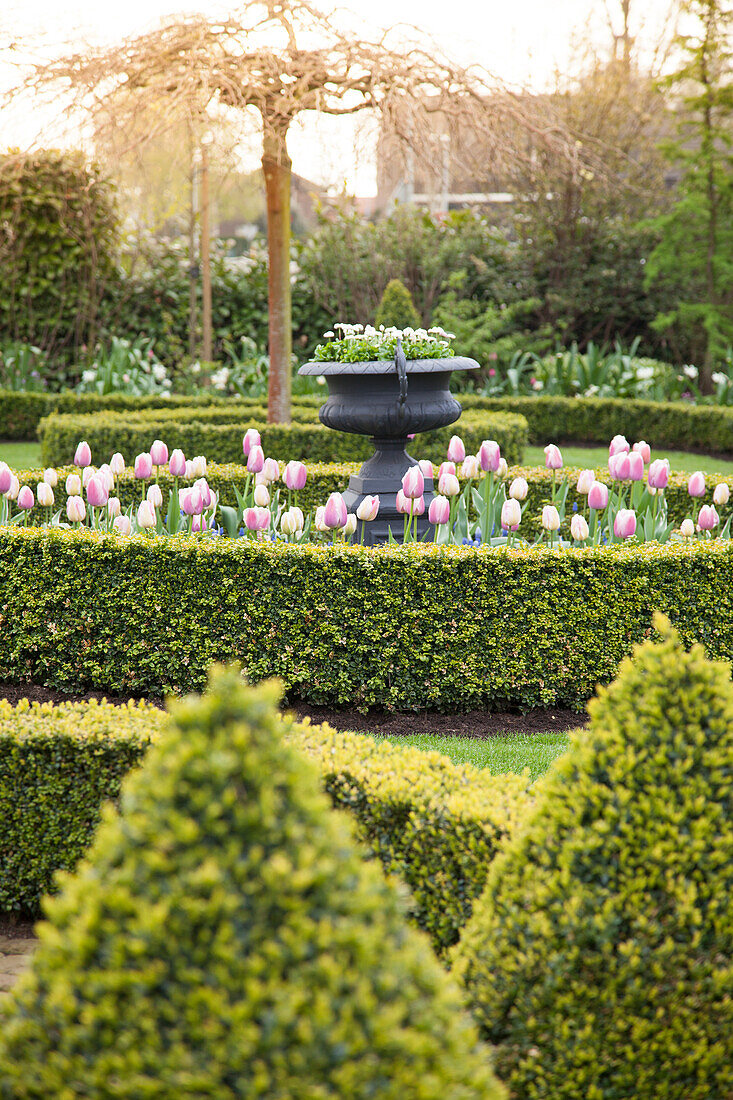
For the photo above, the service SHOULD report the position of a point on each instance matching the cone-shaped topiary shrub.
(396, 307)
(225, 938)
(599, 959)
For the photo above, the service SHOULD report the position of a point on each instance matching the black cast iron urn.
(388, 400)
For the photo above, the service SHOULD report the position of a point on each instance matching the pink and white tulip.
(76, 509)
(624, 524)
(83, 454)
(511, 514)
(295, 476)
(177, 464)
(579, 528)
(143, 466)
(26, 499)
(154, 496)
(470, 466)
(262, 496)
(45, 494)
(518, 489)
(643, 448)
(489, 456)
(255, 459)
(251, 439)
(553, 457)
(696, 484)
(256, 519)
(122, 525)
(73, 485)
(335, 514)
(658, 475)
(636, 466)
(721, 494)
(449, 485)
(368, 509)
(50, 477)
(427, 467)
(585, 480)
(159, 453)
(550, 518)
(598, 496)
(413, 483)
(117, 464)
(439, 510)
(97, 492)
(146, 515)
(706, 520)
(619, 444)
(456, 449)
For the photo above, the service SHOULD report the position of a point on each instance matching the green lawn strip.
(21, 456)
(680, 461)
(500, 754)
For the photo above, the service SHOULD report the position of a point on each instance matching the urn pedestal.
(388, 400)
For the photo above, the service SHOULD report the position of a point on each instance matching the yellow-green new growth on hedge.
(599, 960)
(225, 939)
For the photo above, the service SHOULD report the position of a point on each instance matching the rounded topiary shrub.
(396, 308)
(599, 959)
(225, 938)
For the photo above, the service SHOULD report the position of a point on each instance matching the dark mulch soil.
(478, 724)
(16, 928)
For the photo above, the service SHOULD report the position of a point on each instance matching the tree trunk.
(276, 166)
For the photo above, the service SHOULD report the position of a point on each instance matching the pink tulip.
(624, 525)
(636, 466)
(553, 458)
(585, 480)
(427, 468)
(489, 456)
(402, 504)
(114, 508)
(189, 469)
(413, 483)
(707, 519)
(658, 474)
(696, 484)
(255, 459)
(6, 476)
(198, 466)
(418, 506)
(87, 474)
(122, 525)
(295, 476)
(256, 519)
(198, 523)
(619, 444)
(335, 513)
(206, 494)
(45, 494)
(83, 454)
(456, 449)
(26, 500)
(598, 496)
(177, 464)
(619, 466)
(511, 514)
(117, 464)
(643, 448)
(159, 453)
(105, 472)
(446, 468)
(439, 510)
(155, 497)
(97, 492)
(143, 466)
(191, 502)
(368, 509)
(251, 439)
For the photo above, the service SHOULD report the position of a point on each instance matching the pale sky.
(523, 42)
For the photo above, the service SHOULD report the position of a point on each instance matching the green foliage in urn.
(227, 934)
(599, 960)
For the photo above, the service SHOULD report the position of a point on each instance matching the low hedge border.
(402, 627)
(325, 478)
(434, 824)
(108, 432)
(21, 413)
(672, 424)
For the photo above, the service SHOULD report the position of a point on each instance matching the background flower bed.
(436, 825)
(404, 628)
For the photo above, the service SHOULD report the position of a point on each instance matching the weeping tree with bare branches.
(279, 58)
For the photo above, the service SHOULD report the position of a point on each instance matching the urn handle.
(401, 365)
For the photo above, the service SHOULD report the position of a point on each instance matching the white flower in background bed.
(158, 372)
(720, 379)
(88, 375)
(689, 371)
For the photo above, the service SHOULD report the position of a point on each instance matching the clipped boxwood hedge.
(310, 441)
(433, 823)
(58, 764)
(672, 424)
(224, 938)
(599, 959)
(407, 628)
